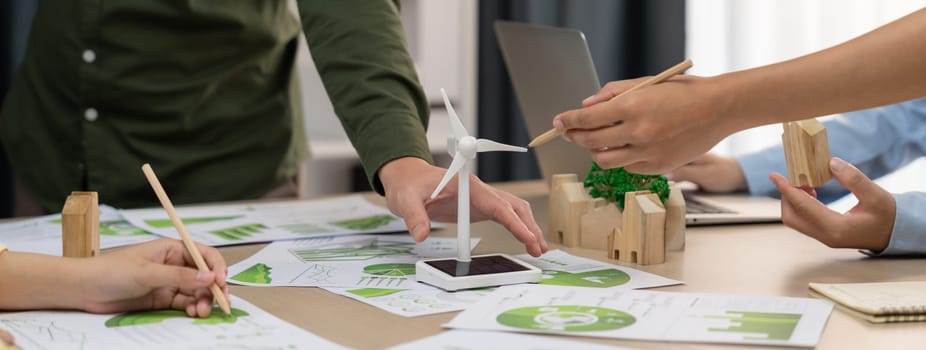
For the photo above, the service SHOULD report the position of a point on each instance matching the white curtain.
(730, 35)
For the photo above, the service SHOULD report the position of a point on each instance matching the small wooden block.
(807, 153)
(675, 219)
(569, 201)
(80, 225)
(642, 239)
(556, 213)
(653, 226)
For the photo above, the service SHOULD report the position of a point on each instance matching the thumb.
(852, 178)
(6, 340)
(158, 275)
(416, 218)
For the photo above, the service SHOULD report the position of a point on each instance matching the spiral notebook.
(877, 302)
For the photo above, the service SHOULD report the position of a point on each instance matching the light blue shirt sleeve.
(908, 236)
(877, 141)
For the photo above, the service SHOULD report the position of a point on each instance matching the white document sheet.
(649, 315)
(358, 261)
(559, 268)
(562, 269)
(423, 300)
(219, 225)
(43, 234)
(249, 327)
(478, 340)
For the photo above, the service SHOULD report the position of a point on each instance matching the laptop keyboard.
(695, 206)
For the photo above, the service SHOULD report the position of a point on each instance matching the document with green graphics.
(473, 340)
(219, 225)
(248, 327)
(559, 269)
(649, 315)
(357, 261)
(43, 234)
(419, 301)
(562, 269)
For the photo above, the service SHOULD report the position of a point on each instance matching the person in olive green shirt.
(206, 92)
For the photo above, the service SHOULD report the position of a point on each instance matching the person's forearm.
(360, 52)
(35, 281)
(881, 67)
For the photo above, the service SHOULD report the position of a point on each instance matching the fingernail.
(558, 124)
(203, 276)
(536, 247)
(588, 99)
(837, 164)
(416, 231)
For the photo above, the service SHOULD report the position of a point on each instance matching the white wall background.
(729, 35)
(442, 41)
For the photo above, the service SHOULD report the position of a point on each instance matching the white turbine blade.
(458, 162)
(483, 145)
(459, 132)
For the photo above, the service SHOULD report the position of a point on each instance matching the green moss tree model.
(612, 184)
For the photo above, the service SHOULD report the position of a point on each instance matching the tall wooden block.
(642, 239)
(568, 202)
(556, 215)
(807, 152)
(80, 225)
(675, 219)
(652, 230)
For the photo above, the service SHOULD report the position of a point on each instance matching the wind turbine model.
(466, 272)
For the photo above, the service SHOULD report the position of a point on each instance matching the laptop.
(552, 71)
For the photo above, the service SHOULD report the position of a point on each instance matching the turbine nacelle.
(467, 147)
(464, 147)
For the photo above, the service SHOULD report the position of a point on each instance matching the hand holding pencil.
(217, 292)
(650, 128)
(668, 73)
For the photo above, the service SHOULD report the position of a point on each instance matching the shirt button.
(89, 56)
(91, 114)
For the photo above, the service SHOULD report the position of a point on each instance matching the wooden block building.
(807, 153)
(639, 234)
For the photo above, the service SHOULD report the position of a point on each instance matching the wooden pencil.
(184, 235)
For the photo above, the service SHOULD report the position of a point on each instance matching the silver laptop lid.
(552, 72)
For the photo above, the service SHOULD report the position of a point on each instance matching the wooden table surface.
(767, 259)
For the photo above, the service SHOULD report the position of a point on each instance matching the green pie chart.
(595, 279)
(566, 318)
(390, 269)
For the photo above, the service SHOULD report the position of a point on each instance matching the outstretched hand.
(410, 181)
(712, 173)
(155, 275)
(868, 225)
